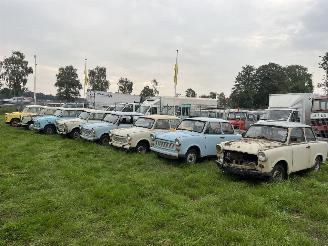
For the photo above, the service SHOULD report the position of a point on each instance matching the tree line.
(251, 89)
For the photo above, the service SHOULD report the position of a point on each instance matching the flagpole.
(175, 80)
(34, 94)
(85, 82)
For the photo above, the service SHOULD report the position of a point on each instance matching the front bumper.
(165, 153)
(126, 146)
(242, 171)
(37, 128)
(89, 138)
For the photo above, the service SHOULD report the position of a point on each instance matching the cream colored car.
(274, 150)
(138, 137)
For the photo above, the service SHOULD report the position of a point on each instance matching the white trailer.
(184, 106)
(102, 99)
(293, 107)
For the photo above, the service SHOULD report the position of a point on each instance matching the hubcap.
(277, 175)
(142, 149)
(191, 158)
(76, 135)
(317, 165)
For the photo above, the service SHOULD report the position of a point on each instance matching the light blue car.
(100, 131)
(47, 125)
(194, 138)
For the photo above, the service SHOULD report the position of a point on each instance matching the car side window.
(162, 124)
(174, 123)
(65, 113)
(309, 134)
(297, 135)
(126, 120)
(227, 128)
(213, 128)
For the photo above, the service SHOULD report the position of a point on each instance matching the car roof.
(161, 117)
(124, 113)
(281, 123)
(72, 109)
(208, 119)
(35, 106)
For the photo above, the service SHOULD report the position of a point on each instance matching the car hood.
(50, 118)
(130, 131)
(97, 125)
(74, 120)
(172, 135)
(251, 146)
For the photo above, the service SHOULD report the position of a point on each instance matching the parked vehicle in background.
(47, 125)
(184, 106)
(291, 107)
(194, 138)
(73, 105)
(241, 119)
(71, 127)
(124, 107)
(17, 100)
(28, 120)
(14, 118)
(319, 116)
(101, 131)
(138, 137)
(274, 150)
(102, 99)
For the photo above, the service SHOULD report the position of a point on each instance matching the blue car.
(100, 131)
(194, 138)
(46, 123)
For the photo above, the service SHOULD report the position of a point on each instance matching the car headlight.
(129, 138)
(152, 136)
(177, 142)
(219, 149)
(262, 156)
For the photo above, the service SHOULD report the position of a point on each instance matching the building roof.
(280, 123)
(124, 113)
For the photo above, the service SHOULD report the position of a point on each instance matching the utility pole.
(175, 80)
(34, 79)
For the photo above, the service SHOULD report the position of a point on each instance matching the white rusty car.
(138, 137)
(274, 150)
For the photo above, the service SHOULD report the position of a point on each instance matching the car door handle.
(308, 147)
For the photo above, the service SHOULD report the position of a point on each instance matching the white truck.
(102, 100)
(184, 106)
(291, 107)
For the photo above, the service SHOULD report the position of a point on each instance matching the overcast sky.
(138, 39)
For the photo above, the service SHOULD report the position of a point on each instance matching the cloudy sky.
(137, 39)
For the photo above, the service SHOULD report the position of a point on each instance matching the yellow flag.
(176, 74)
(86, 79)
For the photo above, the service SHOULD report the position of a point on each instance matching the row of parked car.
(267, 149)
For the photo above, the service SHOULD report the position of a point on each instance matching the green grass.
(61, 191)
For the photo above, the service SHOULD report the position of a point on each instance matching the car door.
(300, 149)
(125, 121)
(212, 136)
(228, 132)
(313, 144)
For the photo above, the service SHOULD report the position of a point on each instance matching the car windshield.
(84, 115)
(236, 116)
(192, 125)
(28, 110)
(272, 133)
(144, 122)
(111, 118)
(58, 112)
(279, 115)
(143, 109)
(119, 107)
(96, 116)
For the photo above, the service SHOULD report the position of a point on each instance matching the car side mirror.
(243, 134)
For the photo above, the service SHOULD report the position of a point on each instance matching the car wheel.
(28, 126)
(278, 173)
(191, 156)
(75, 134)
(104, 140)
(49, 129)
(317, 164)
(142, 148)
(14, 122)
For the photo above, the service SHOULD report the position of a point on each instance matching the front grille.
(164, 144)
(119, 139)
(60, 127)
(86, 132)
(235, 157)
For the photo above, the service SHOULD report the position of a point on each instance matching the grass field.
(61, 191)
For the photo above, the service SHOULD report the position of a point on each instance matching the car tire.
(142, 147)
(317, 164)
(49, 129)
(104, 139)
(14, 122)
(191, 156)
(278, 173)
(28, 126)
(75, 134)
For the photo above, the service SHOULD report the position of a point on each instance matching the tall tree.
(125, 86)
(190, 93)
(98, 80)
(222, 100)
(155, 84)
(14, 70)
(244, 89)
(298, 79)
(146, 92)
(324, 65)
(270, 79)
(68, 84)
